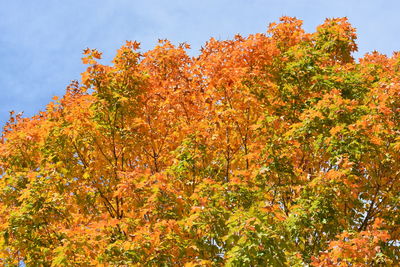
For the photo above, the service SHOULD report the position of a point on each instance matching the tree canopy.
(275, 149)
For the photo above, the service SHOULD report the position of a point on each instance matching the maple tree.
(276, 149)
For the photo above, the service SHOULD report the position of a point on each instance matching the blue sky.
(41, 42)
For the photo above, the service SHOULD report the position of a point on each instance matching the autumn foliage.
(276, 149)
